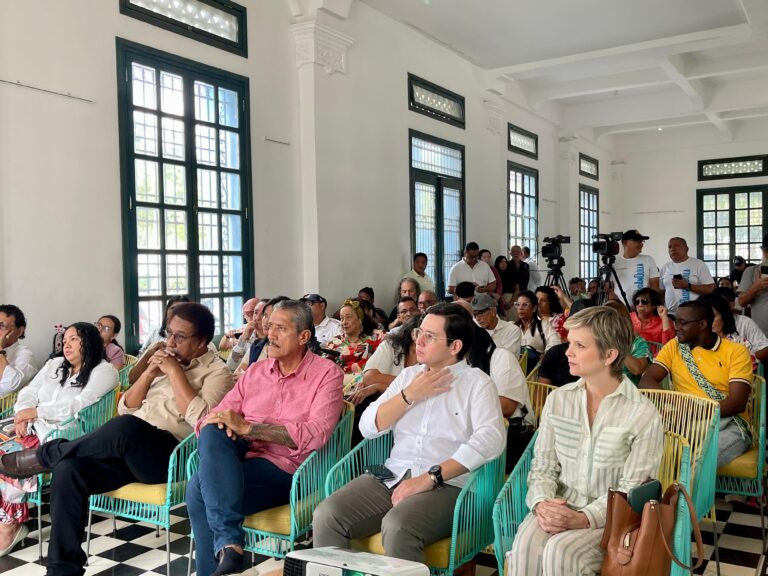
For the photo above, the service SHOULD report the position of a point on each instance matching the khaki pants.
(364, 507)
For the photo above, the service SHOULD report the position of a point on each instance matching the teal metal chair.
(151, 503)
(472, 529)
(85, 421)
(6, 404)
(744, 475)
(510, 509)
(130, 362)
(276, 531)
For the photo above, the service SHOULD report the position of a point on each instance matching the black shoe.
(22, 464)
(230, 562)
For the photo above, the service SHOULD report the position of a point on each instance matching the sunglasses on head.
(645, 301)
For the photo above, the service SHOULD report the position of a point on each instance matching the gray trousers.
(731, 442)
(364, 507)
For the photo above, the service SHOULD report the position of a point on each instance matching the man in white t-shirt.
(418, 272)
(471, 269)
(683, 278)
(635, 270)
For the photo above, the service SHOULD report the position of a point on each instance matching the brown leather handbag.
(640, 545)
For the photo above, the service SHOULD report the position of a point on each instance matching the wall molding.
(322, 45)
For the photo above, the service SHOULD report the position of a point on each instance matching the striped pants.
(569, 553)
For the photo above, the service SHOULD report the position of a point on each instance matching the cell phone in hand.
(380, 472)
(677, 277)
(764, 271)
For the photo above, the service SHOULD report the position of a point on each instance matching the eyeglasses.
(684, 323)
(179, 338)
(644, 301)
(429, 338)
(103, 327)
(523, 304)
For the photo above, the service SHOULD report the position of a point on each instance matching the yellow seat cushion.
(276, 520)
(436, 555)
(744, 466)
(138, 492)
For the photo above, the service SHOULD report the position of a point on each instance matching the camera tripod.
(555, 275)
(608, 274)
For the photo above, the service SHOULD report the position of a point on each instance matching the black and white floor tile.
(135, 549)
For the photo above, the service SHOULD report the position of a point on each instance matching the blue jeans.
(226, 488)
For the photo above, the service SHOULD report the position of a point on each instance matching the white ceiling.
(613, 66)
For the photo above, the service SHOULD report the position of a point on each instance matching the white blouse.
(55, 402)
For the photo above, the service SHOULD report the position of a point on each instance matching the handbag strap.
(696, 533)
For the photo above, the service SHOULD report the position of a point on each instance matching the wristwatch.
(436, 474)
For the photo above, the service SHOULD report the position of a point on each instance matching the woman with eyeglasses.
(109, 327)
(358, 343)
(64, 386)
(650, 319)
(538, 335)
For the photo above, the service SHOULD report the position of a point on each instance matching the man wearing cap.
(471, 269)
(739, 266)
(326, 329)
(505, 334)
(753, 290)
(635, 270)
(683, 278)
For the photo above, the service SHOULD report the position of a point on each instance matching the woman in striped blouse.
(595, 434)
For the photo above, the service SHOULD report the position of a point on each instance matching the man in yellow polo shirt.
(702, 364)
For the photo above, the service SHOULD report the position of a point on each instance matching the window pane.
(436, 158)
(147, 228)
(755, 233)
(146, 181)
(205, 144)
(230, 191)
(175, 230)
(231, 233)
(756, 199)
(722, 218)
(173, 139)
(228, 108)
(207, 231)
(171, 93)
(214, 305)
(143, 84)
(209, 274)
(229, 149)
(232, 273)
(175, 184)
(150, 317)
(233, 310)
(742, 234)
(755, 217)
(149, 274)
(741, 200)
(723, 202)
(425, 223)
(451, 229)
(176, 274)
(204, 102)
(207, 188)
(741, 217)
(709, 202)
(144, 133)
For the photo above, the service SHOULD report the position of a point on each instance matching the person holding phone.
(753, 289)
(683, 278)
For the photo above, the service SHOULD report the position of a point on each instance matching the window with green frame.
(185, 159)
(731, 222)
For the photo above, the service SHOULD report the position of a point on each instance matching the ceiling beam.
(727, 65)
(722, 127)
(714, 34)
(598, 85)
(674, 66)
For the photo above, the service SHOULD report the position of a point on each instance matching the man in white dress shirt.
(419, 272)
(682, 278)
(326, 329)
(446, 421)
(471, 269)
(17, 362)
(505, 334)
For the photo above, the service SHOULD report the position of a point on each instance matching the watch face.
(434, 470)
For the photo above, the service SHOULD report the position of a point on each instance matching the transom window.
(437, 204)
(523, 189)
(184, 144)
(731, 223)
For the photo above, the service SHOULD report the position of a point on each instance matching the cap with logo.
(633, 235)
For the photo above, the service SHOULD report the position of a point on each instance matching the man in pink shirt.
(251, 443)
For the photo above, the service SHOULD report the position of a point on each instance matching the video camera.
(553, 247)
(606, 245)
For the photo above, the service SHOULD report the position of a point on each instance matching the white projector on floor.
(331, 561)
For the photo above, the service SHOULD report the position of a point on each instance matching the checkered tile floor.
(136, 550)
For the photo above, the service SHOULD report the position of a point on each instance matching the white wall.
(658, 181)
(59, 167)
